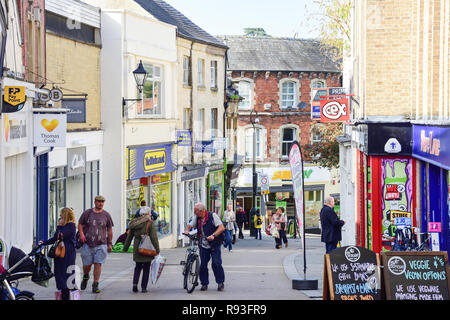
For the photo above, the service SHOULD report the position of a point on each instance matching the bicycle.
(191, 263)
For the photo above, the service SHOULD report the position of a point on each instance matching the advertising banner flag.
(296, 163)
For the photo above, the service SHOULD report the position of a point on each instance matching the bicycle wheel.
(191, 276)
(24, 296)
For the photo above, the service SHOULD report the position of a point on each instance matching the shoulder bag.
(146, 247)
(57, 250)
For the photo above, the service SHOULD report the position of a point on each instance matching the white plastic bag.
(157, 267)
(274, 231)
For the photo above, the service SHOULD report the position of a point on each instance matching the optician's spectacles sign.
(50, 130)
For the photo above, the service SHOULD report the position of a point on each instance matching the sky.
(279, 18)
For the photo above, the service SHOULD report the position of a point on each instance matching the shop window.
(313, 205)
(161, 198)
(151, 103)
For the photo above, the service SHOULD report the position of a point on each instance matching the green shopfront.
(216, 197)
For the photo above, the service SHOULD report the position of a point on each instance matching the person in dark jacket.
(64, 267)
(139, 227)
(240, 219)
(210, 231)
(331, 225)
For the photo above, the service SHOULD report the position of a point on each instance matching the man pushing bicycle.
(210, 231)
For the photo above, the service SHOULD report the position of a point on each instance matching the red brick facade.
(32, 23)
(267, 91)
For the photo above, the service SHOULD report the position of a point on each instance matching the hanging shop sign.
(334, 108)
(184, 138)
(144, 161)
(432, 144)
(50, 129)
(54, 95)
(203, 146)
(14, 98)
(77, 110)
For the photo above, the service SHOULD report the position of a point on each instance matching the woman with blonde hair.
(66, 230)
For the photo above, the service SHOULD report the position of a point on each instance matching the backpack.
(259, 221)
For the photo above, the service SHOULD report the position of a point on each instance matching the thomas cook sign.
(50, 130)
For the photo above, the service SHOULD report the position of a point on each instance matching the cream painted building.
(139, 150)
(201, 76)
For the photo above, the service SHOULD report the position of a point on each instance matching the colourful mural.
(396, 205)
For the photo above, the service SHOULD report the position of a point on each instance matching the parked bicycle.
(191, 263)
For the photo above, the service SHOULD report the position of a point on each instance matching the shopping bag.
(74, 295)
(274, 232)
(268, 230)
(157, 267)
(146, 247)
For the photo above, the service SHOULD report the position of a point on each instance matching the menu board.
(352, 273)
(416, 275)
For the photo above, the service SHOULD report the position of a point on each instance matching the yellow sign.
(282, 175)
(400, 214)
(154, 160)
(14, 95)
(49, 125)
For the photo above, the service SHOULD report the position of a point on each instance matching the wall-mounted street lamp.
(140, 75)
(254, 120)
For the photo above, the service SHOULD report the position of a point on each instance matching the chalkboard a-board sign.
(351, 273)
(416, 275)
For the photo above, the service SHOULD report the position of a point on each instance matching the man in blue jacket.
(210, 230)
(331, 225)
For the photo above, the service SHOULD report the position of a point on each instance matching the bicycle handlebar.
(190, 236)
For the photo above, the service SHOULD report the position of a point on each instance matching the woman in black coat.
(64, 267)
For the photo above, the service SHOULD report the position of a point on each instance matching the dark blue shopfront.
(431, 145)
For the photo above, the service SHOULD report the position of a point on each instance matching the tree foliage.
(325, 153)
(255, 32)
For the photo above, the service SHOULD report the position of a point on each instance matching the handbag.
(146, 247)
(58, 249)
(42, 271)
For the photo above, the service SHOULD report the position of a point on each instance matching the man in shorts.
(95, 227)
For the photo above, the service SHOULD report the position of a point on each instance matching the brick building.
(275, 77)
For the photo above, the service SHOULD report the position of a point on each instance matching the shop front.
(150, 177)
(431, 146)
(216, 197)
(385, 184)
(318, 184)
(16, 167)
(74, 175)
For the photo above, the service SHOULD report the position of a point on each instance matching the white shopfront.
(16, 172)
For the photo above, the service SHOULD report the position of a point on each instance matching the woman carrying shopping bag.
(140, 227)
(65, 231)
(280, 222)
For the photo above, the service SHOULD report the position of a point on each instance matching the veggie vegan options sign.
(50, 130)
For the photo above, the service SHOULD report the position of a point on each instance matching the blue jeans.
(258, 232)
(228, 239)
(329, 246)
(205, 256)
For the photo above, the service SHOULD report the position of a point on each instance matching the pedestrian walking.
(139, 227)
(64, 267)
(280, 222)
(240, 220)
(95, 227)
(258, 222)
(229, 218)
(331, 225)
(210, 230)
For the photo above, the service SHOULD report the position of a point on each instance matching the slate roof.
(277, 54)
(185, 27)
